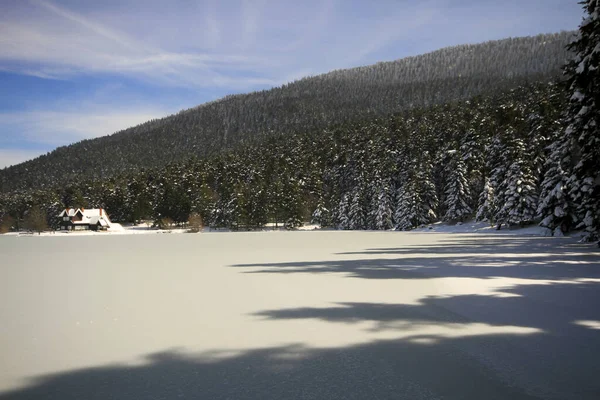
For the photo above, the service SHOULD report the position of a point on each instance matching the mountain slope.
(379, 173)
(308, 104)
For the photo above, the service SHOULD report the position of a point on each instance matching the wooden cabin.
(80, 219)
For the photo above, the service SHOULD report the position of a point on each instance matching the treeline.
(486, 157)
(308, 105)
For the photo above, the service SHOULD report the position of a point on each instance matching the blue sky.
(74, 69)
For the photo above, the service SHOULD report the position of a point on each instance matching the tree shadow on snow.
(523, 258)
(554, 356)
(537, 340)
(381, 370)
(455, 360)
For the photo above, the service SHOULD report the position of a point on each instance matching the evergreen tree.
(519, 185)
(357, 213)
(486, 210)
(520, 196)
(174, 204)
(203, 202)
(403, 215)
(472, 149)
(417, 197)
(382, 207)
(222, 213)
(343, 219)
(292, 205)
(457, 192)
(497, 164)
(428, 199)
(137, 201)
(584, 120)
(321, 215)
(555, 208)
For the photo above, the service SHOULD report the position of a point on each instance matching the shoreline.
(467, 227)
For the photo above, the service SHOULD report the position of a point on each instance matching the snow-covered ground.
(141, 229)
(299, 315)
(115, 229)
(439, 227)
(485, 227)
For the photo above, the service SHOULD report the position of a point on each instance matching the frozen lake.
(299, 315)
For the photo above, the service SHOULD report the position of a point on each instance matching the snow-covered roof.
(94, 219)
(88, 216)
(68, 212)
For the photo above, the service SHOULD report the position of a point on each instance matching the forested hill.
(310, 104)
(412, 168)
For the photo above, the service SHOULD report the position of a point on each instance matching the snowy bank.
(484, 227)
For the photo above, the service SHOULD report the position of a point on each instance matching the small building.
(80, 219)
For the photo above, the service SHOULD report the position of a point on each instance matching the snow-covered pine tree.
(536, 146)
(227, 211)
(472, 149)
(356, 213)
(497, 164)
(218, 217)
(321, 215)
(584, 120)
(291, 203)
(404, 209)
(343, 221)
(457, 191)
(416, 198)
(382, 207)
(204, 202)
(374, 187)
(554, 207)
(520, 203)
(488, 203)
(486, 210)
(427, 193)
(441, 172)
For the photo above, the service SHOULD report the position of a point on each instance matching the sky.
(75, 69)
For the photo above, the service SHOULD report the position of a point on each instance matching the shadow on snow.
(556, 360)
(488, 257)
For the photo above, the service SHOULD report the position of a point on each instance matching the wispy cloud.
(212, 27)
(251, 12)
(103, 31)
(74, 44)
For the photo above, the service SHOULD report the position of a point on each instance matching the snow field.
(325, 314)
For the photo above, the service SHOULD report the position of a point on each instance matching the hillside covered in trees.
(449, 162)
(308, 105)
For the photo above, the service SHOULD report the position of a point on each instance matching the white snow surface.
(298, 315)
(142, 229)
(483, 227)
